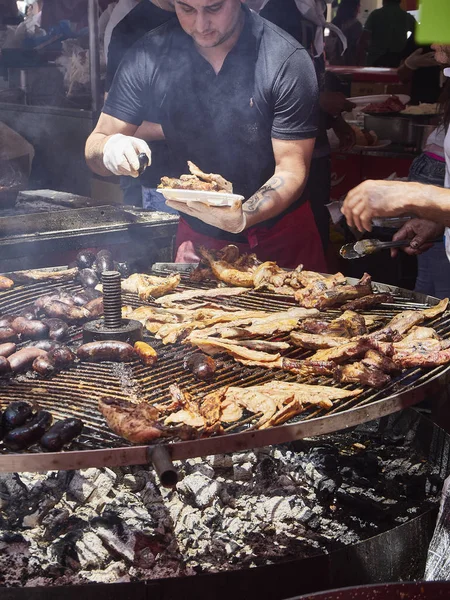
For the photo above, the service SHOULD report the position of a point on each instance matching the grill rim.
(241, 440)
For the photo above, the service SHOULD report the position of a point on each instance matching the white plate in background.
(208, 198)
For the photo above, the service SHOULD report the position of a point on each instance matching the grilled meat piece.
(61, 433)
(150, 286)
(344, 352)
(379, 361)
(211, 408)
(60, 310)
(363, 374)
(190, 294)
(6, 283)
(242, 354)
(280, 400)
(407, 319)
(188, 182)
(137, 423)
(221, 182)
(313, 341)
(106, 350)
(146, 353)
(33, 275)
(420, 333)
(315, 297)
(308, 367)
(367, 302)
(227, 272)
(348, 325)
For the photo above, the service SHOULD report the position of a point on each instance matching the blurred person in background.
(119, 12)
(385, 35)
(75, 11)
(421, 70)
(429, 203)
(9, 13)
(332, 104)
(144, 17)
(347, 21)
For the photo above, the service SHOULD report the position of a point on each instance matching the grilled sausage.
(80, 298)
(95, 307)
(16, 414)
(106, 350)
(5, 367)
(7, 349)
(62, 356)
(6, 320)
(22, 360)
(85, 259)
(146, 353)
(46, 345)
(88, 278)
(203, 367)
(6, 283)
(7, 334)
(29, 313)
(61, 433)
(59, 310)
(103, 263)
(58, 329)
(44, 365)
(30, 433)
(30, 330)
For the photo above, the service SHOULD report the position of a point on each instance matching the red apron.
(294, 240)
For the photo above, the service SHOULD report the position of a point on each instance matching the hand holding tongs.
(366, 247)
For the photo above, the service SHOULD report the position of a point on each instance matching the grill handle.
(159, 456)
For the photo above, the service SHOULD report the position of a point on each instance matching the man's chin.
(207, 41)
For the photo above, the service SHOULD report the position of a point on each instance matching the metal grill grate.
(76, 391)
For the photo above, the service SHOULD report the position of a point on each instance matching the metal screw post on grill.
(112, 299)
(112, 326)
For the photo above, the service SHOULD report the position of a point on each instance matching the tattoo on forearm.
(257, 201)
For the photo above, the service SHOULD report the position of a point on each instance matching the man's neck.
(163, 5)
(216, 56)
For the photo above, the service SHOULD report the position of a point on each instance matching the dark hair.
(347, 10)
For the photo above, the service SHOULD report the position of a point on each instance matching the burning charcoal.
(85, 259)
(326, 489)
(88, 278)
(325, 458)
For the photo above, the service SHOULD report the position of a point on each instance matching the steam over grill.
(76, 392)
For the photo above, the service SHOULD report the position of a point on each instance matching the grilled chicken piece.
(211, 406)
(407, 319)
(348, 325)
(344, 352)
(137, 423)
(314, 297)
(149, 286)
(242, 354)
(190, 294)
(33, 275)
(227, 272)
(188, 182)
(279, 400)
(313, 341)
(221, 182)
(367, 302)
(361, 373)
(427, 358)
(189, 413)
(379, 361)
(420, 333)
(6, 283)
(308, 367)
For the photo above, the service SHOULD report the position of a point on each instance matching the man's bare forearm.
(274, 197)
(94, 153)
(428, 202)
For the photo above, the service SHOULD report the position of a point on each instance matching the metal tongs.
(366, 247)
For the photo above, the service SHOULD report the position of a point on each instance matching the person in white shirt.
(121, 9)
(429, 203)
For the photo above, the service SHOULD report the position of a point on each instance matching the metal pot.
(407, 131)
(431, 590)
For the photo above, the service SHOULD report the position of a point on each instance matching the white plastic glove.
(120, 154)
